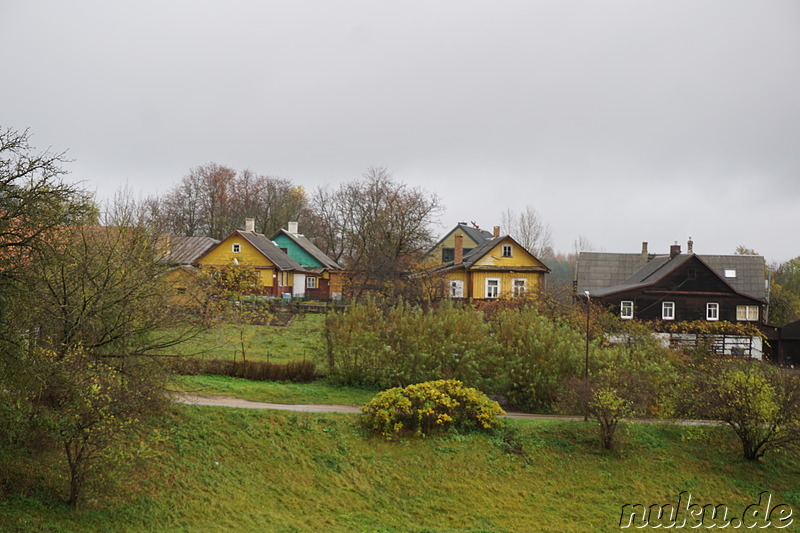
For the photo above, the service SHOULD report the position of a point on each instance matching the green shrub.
(608, 409)
(537, 356)
(430, 407)
(403, 344)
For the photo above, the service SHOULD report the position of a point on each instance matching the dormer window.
(236, 248)
(507, 250)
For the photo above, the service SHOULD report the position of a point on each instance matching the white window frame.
(507, 250)
(712, 311)
(748, 313)
(626, 305)
(456, 288)
(730, 273)
(668, 310)
(495, 288)
(519, 290)
(236, 248)
(311, 282)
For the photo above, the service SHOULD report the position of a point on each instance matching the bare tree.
(375, 225)
(213, 200)
(530, 230)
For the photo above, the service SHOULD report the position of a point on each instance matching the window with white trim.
(518, 287)
(507, 250)
(456, 288)
(668, 310)
(311, 282)
(747, 313)
(626, 309)
(712, 311)
(730, 272)
(492, 287)
(236, 248)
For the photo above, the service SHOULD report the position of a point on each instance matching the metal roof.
(265, 245)
(304, 243)
(187, 250)
(605, 273)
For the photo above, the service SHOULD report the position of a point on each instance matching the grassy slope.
(241, 470)
(279, 344)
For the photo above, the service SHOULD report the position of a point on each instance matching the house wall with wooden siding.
(519, 257)
(296, 252)
(248, 255)
(533, 285)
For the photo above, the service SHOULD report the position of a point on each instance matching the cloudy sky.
(619, 121)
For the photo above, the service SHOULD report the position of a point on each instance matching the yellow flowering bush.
(425, 408)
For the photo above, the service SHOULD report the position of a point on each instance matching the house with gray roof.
(675, 287)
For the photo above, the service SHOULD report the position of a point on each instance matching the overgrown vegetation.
(430, 408)
(514, 352)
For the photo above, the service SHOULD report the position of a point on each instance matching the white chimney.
(250, 224)
(293, 227)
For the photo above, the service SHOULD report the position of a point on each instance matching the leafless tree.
(375, 226)
(530, 230)
(213, 200)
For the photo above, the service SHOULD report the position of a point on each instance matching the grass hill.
(215, 469)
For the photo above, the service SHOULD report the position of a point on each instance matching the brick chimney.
(674, 250)
(292, 227)
(496, 231)
(644, 250)
(458, 253)
(250, 224)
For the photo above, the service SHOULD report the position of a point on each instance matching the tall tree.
(530, 230)
(33, 198)
(376, 226)
(213, 200)
(784, 292)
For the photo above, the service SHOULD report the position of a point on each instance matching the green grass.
(273, 392)
(247, 470)
(300, 339)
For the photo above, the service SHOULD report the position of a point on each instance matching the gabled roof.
(312, 250)
(187, 250)
(486, 246)
(269, 250)
(476, 234)
(600, 273)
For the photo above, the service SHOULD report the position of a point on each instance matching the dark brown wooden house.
(675, 287)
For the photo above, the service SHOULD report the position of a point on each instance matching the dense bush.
(510, 350)
(301, 371)
(431, 407)
(536, 356)
(404, 344)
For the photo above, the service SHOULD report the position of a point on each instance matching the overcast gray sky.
(619, 121)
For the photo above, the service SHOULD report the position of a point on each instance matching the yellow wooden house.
(498, 267)
(276, 270)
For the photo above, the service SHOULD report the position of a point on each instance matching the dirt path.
(230, 401)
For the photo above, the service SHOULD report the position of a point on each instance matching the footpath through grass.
(241, 470)
(273, 392)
